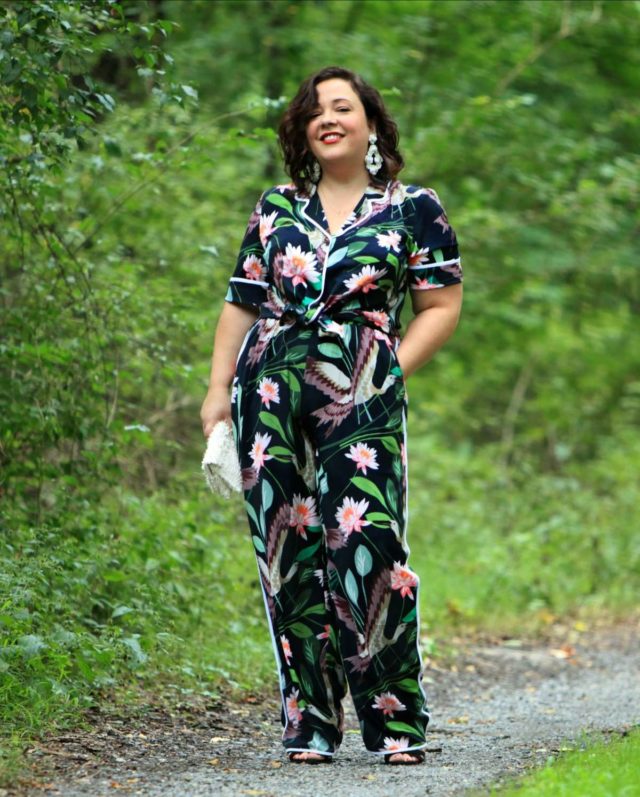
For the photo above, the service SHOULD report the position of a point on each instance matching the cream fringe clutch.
(220, 463)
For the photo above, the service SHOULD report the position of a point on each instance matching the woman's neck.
(342, 182)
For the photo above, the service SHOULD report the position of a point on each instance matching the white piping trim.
(251, 282)
(275, 650)
(406, 524)
(454, 261)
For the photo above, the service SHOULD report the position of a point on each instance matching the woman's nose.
(327, 117)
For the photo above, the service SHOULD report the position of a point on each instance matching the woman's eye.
(344, 109)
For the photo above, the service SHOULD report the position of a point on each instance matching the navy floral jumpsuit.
(319, 408)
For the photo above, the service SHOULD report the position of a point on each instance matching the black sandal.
(416, 755)
(324, 759)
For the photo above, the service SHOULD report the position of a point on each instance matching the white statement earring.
(373, 158)
(315, 172)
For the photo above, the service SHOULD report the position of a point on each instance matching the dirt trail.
(498, 709)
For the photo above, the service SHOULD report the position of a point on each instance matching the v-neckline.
(348, 219)
(312, 209)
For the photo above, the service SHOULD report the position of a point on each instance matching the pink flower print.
(324, 634)
(267, 227)
(396, 745)
(419, 257)
(293, 712)
(286, 648)
(364, 456)
(365, 281)
(388, 703)
(258, 451)
(253, 268)
(349, 516)
(379, 318)
(299, 265)
(269, 391)
(403, 579)
(303, 513)
(389, 240)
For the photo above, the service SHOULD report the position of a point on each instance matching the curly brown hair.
(299, 161)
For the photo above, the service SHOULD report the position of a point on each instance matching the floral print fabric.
(319, 409)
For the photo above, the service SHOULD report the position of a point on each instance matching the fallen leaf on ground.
(563, 652)
(213, 762)
(459, 720)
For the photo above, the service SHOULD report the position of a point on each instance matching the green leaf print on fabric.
(317, 608)
(336, 257)
(391, 444)
(307, 553)
(331, 350)
(372, 517)
(351, 586)
(252, 515)
(392, 494)
(408, 684)
(367, 486)
(402, 727)
(270, 420)
(301, 630)
(267, 495)
(363, 560)
(258, 544)
(410, 616)
(281, 453)
(277, 199)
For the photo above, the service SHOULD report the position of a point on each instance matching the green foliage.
(595, 766)
(131, 160)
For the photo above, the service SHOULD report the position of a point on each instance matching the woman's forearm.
(426, 333)
(232, 327)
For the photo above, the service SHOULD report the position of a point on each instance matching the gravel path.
(498, 709)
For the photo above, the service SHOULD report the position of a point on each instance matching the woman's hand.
(215, 407)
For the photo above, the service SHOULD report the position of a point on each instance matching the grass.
(602, 768)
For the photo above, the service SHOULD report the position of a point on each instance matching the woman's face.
(339, 130)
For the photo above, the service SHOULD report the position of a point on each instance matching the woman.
(309, 342)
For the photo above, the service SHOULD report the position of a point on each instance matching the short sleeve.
(433, 256)
(248, 283)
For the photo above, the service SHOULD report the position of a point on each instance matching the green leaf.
(270, 420)
(276, 198)
(300, 630)
(307, 553)
(410, 616)
(363, 560)
(378, 516)
(331, 350)
(121, 610)
(267, 495)
(391, 444)
(408, 684)
(368, 486)
(402, 727)
(280, 451)
(258, 544)
(351, 586)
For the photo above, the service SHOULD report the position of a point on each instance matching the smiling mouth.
(330, 138)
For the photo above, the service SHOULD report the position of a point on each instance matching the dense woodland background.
(135, 140)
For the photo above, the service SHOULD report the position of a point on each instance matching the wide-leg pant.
(319, 420)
